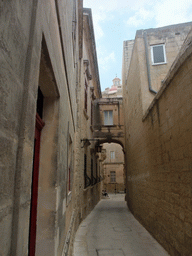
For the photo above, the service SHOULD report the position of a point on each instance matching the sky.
(118, 20)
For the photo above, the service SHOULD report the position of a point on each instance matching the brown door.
(34, 188)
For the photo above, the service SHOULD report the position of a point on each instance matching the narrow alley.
(67, 136)
(111, 230)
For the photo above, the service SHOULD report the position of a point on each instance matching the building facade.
(48, 79)
(157, 102)
(155, 50)
(113, 166)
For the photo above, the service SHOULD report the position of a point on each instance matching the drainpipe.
(148, 68)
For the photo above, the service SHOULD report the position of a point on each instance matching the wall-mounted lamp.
(86, 142)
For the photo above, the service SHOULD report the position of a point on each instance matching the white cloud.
(137, 14)
(140, 17)
(173, 12)
(108, 5)
(105, 60)
(103, 11)
(97, 27)
(164, 12)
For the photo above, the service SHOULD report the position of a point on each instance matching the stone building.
(48, 79)
(157, 92)
(113, 166)
(90, 89)
(156, 49)
(54, 123)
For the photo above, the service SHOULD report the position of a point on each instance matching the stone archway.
(113, 166)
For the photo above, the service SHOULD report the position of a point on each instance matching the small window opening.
(112, 154)
(108, 117)
(112, 176)
(158, 54)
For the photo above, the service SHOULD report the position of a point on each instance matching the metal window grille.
(86, 88)
(87, 180)
(92, 181)
(91, 113)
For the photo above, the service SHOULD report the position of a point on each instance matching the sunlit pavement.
(111, 230)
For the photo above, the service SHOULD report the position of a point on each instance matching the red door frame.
(34, 190)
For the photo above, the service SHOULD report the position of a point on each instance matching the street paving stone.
(111, 230)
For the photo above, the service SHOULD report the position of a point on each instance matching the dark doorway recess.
(35, 176)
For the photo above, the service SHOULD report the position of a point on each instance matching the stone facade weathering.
(48, 81)
(54, 124)
(158, 140)
(113, 165)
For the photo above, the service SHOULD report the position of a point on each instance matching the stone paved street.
(111, 230)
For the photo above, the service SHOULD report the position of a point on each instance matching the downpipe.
(148, 68)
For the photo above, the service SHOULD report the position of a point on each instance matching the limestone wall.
(40, 45)
(151, 75)
(159, 155)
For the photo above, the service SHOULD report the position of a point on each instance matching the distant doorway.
(41, 227)
(113, 168)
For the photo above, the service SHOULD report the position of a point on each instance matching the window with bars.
(86, 93)
(92, 178)
(85, 170)
(87, 180)
(108, 117)
(96, 167)
(112, 176)
(91, 113)
(158, 54)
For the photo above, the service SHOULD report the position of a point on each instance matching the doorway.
(35, 175)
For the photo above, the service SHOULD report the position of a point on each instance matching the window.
(92, 178)
(112, 154)
(108, 117)
(96, 167)
(158, 54)
(85, 170)
(86, 92)
(87, 180)
(91, 113)
(112, 176)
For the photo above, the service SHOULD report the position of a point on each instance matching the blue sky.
(118, 20)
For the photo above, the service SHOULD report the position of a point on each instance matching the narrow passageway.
(111, 230)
